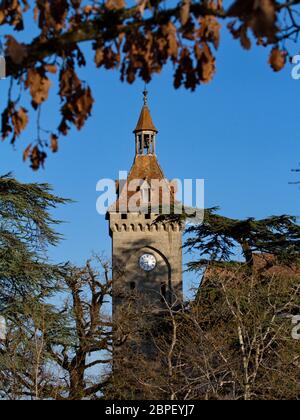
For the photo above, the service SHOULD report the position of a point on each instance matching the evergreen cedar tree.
(26, 231)
(219, 239)
(53, 312)
(135, 40)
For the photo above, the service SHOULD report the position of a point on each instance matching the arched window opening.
(147, 144)
(140, 144)
(152, 150)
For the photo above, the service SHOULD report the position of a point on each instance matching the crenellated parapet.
(120, 226)
(140, 222)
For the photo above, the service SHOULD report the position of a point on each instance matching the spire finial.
(145, 122)
(145, 93)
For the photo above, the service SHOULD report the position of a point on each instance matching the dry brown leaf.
(209, 30)
(277, 59)
(69, 82)
(208, 64)
(198, 51)
(260, 15)
(26, 152)
(51, 68)
(17, 52)
(20, 121)
(245, 40)
(99, 56)
(267, 7)
(36, 13)
(2, 16)
(170, 32)
(83, 107)
(38, 85)
(54, 143)
(37, 158)
(264, 21)
(115, 4)
(185, 11)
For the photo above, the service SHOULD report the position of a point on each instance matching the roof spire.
(145, 122)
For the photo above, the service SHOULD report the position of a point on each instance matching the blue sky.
(240, 133)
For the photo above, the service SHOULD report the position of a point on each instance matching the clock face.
(147, 262)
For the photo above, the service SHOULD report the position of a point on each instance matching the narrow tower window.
(140, 144)
(146, 194)
(146, 144)
(152, 151)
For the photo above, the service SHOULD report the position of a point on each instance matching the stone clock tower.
(146, 254)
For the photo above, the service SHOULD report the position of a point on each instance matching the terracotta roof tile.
(146, 168)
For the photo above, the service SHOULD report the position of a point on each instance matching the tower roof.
(145, 122)
(145, 171)
(145, 168)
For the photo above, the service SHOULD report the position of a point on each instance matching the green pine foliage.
(26, 230)
(221, 238)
